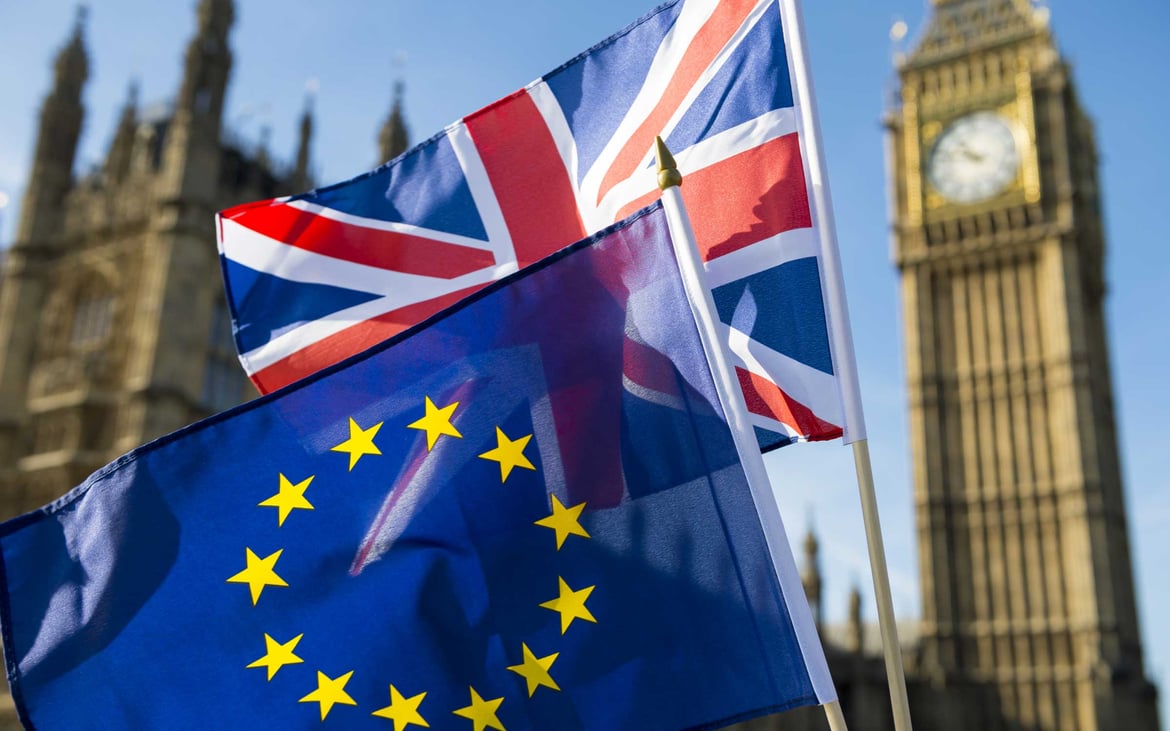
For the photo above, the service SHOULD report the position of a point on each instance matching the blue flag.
(526, 513)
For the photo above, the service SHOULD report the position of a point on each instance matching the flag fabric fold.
(314, 278)
(525, 513)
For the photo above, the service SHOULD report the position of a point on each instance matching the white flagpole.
(844, 364)
(731, 399)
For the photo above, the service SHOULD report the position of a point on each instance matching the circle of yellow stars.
(404, 711)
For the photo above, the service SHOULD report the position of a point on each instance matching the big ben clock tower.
(1029, 618)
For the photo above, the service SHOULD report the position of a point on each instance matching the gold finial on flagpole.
(668, 174)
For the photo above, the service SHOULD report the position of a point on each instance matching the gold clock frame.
(1014, 105)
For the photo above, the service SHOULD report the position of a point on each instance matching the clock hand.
(970, 154)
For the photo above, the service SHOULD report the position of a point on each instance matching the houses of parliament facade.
(114, 331)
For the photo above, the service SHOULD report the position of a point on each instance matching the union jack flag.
(317, 277)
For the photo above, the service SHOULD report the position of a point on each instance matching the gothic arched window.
(93, 320)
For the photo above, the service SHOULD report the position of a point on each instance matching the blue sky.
(457, 55)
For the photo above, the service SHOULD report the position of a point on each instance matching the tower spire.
(393, 138)
(72, 65)
(208, 61)
(60, 127)
(192, 147)
(122, 146)
(301, 172)
(811, 575)
(855, 637)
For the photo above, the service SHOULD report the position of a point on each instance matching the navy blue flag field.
(526, 513)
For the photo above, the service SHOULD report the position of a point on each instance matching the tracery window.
(93, 320)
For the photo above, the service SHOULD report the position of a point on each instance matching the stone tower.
(1029, 617)
(113, 325)
(32, 258)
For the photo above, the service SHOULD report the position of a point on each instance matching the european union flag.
(526, 513)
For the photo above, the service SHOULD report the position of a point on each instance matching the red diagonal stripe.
(711, 38)
(374, 247)
(528, 177)
(649, 368)
(745, 198)
(350, 341)
(766, 399)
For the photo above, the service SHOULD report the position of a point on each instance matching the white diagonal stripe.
(554, 118)
(646, 166)
(814, 389)
(482, 193)
(799, 243)
(667, 58)
(402, 228)
(711, 151)
(672, 52)
(767, 423)
(301, 335)
(265, 254)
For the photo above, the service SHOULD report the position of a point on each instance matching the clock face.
(974, 158)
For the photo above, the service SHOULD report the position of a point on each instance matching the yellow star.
(277, 655)
(481, 713)
(571, 604)
(565, 521)
(535, 670)
(330, 692)
(403, 711)
(508, 453)
(288, 498)
(436, 421)
(261, 572)
(360, 442)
